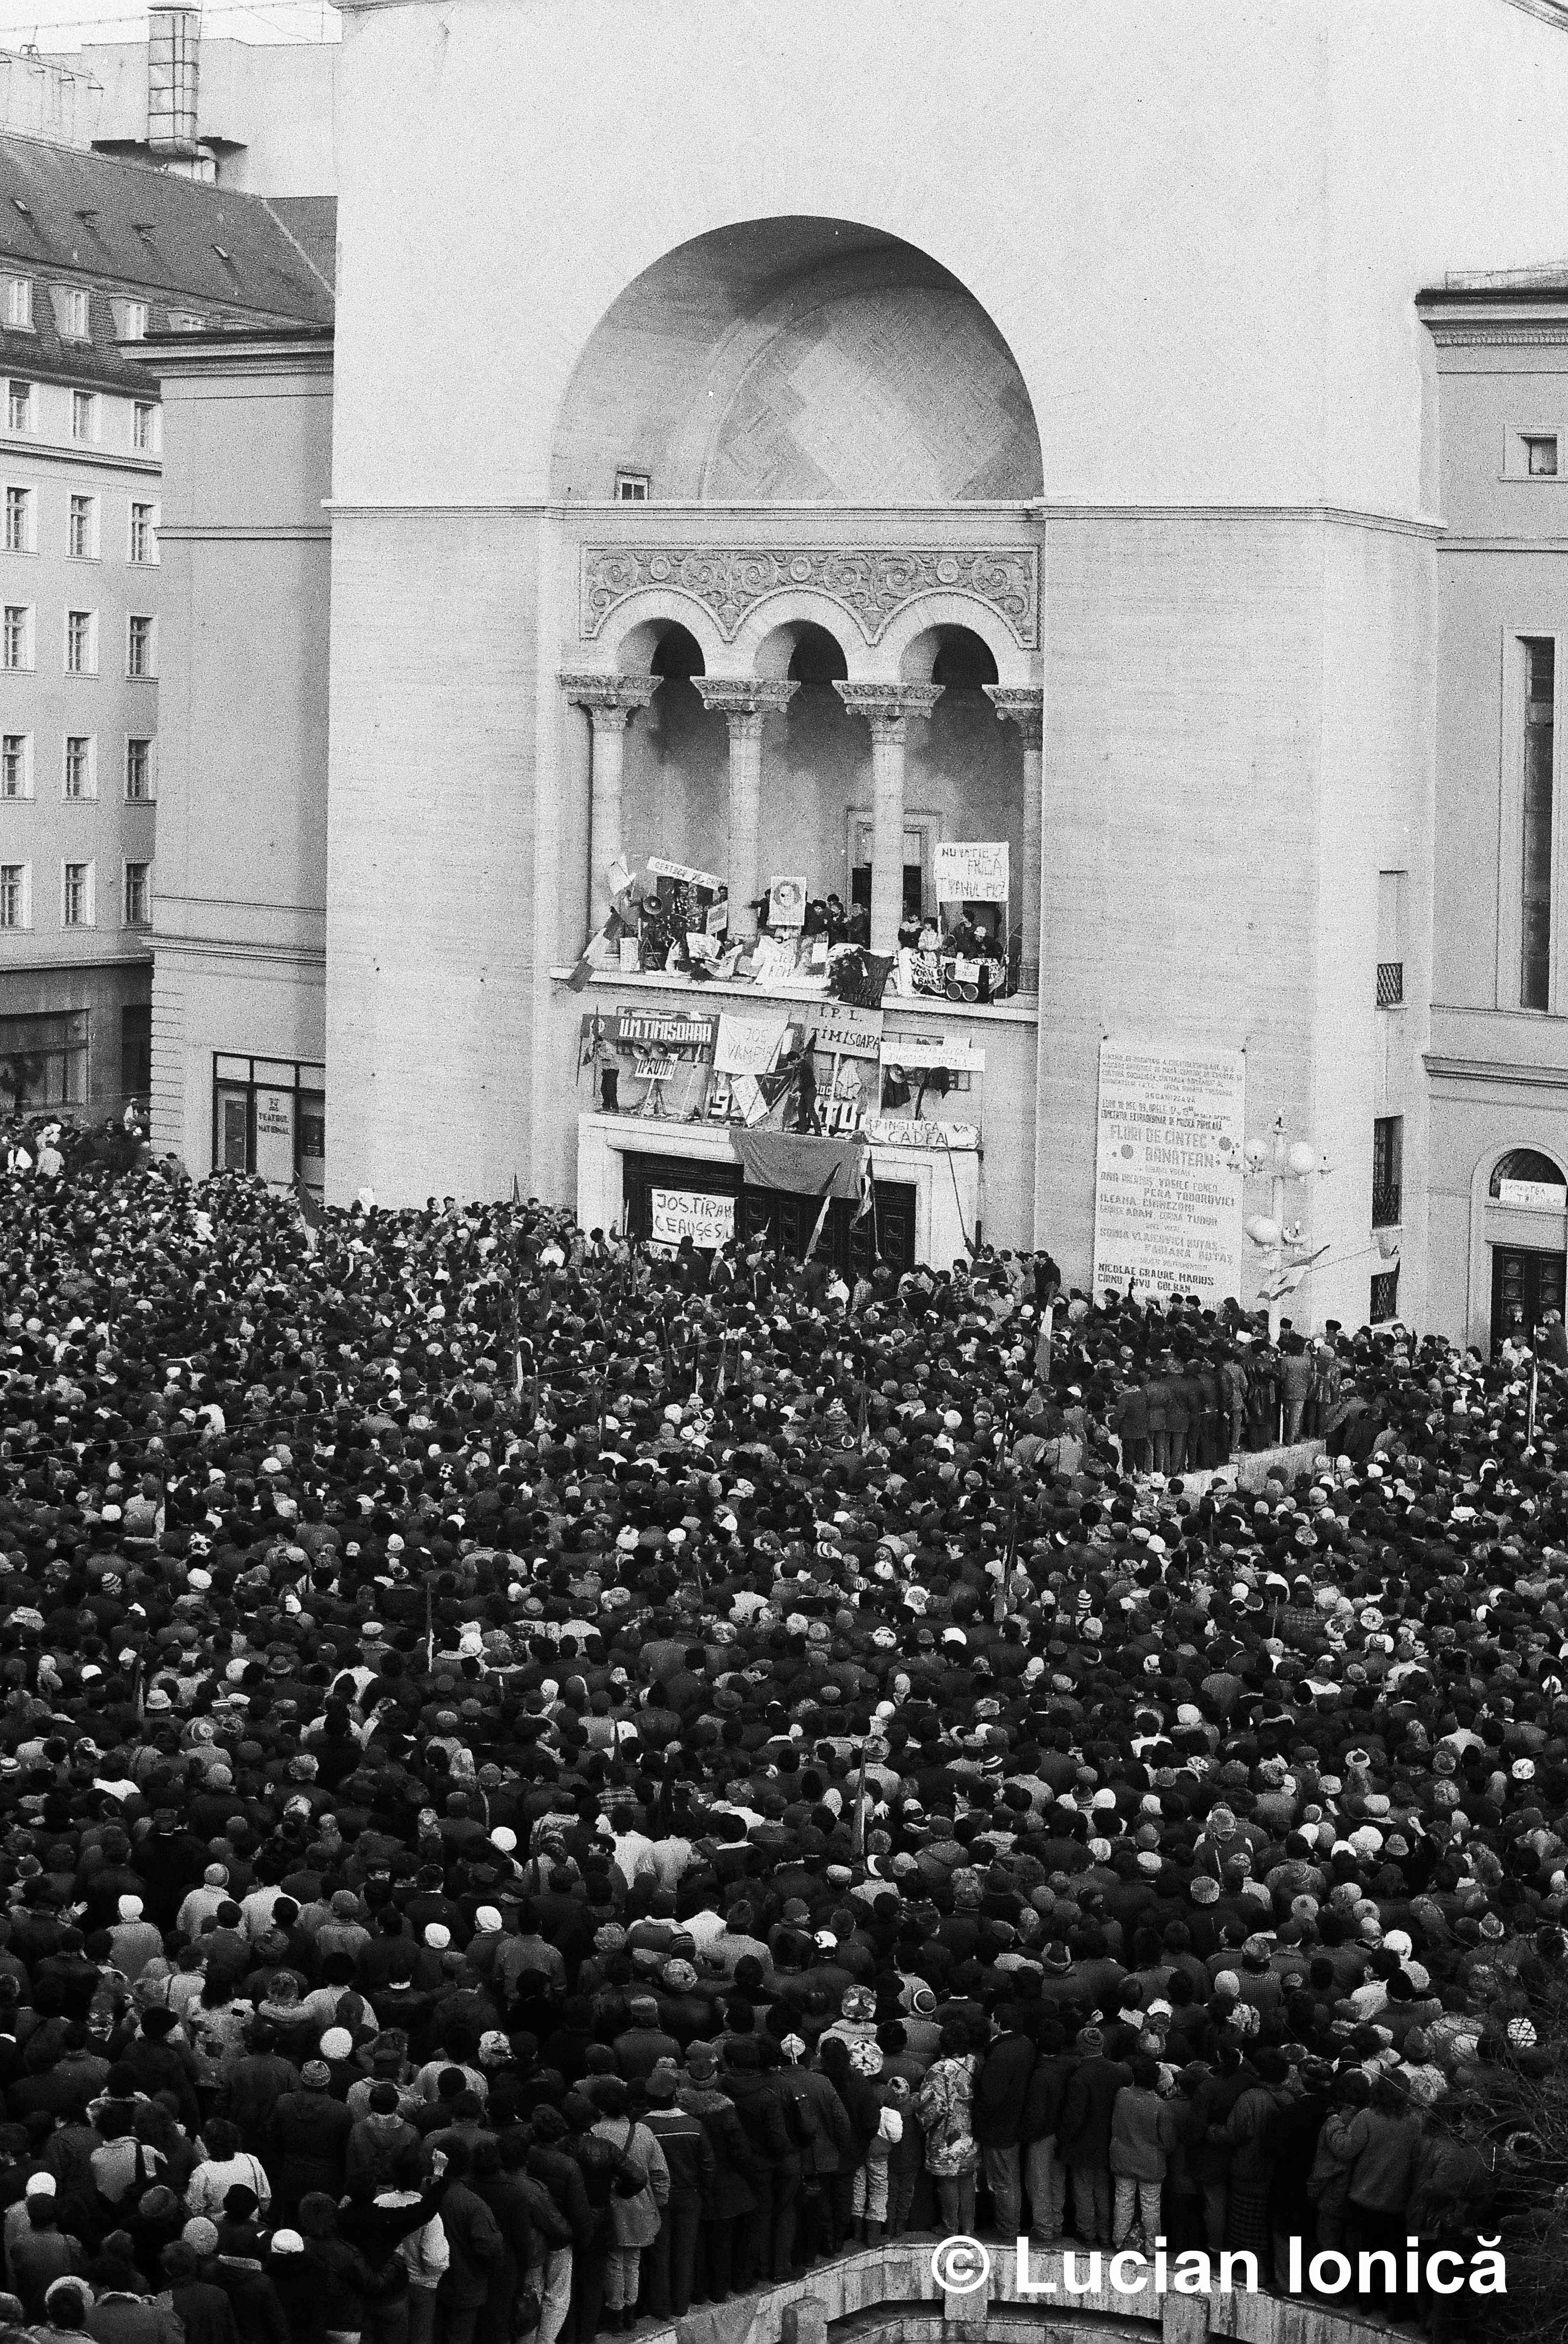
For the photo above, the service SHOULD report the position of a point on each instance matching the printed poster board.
(274, 1136)
(1168, 1174)
(707, 1221)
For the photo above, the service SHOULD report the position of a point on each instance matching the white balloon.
(1262, 1230)
(1302, 1157)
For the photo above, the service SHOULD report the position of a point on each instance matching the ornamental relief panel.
(873, 583)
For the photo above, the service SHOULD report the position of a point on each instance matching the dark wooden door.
(1525, 1284)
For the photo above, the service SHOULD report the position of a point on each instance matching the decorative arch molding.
(648, 608)
(877, 585)
(1015, 662)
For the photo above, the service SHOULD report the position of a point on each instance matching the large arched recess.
(798, 361)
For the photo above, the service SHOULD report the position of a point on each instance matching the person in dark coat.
(688, 2152)
(1001, 2089)
(310, 2133)
(731, 2198)
(762, 2121)
(204, 2310)
(1044, 2172)
(478, 2249)
(508, 2201)
(1085, 2136)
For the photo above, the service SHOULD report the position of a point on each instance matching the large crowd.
(542, 1785)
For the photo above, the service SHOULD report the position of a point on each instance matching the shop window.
(136, 1050)
(43, 1060)
(269, 1117)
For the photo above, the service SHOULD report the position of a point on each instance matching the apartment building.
(96, 258)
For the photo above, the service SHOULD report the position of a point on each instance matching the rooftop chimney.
(174, 46)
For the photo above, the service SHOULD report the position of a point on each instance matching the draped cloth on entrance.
(803, 1164)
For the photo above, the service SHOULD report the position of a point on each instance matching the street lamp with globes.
(1282, 1161)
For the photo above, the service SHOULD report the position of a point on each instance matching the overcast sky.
(71, 24)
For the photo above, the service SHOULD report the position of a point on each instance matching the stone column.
(746, 701)
(885, 707)
(612, 701)
(1024, 705)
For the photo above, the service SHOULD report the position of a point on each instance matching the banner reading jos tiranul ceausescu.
(1168, 1170)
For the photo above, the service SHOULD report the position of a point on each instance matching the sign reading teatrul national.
(663, 1029)
(709, 1221)
(1532, 1196)
(1168, 1177)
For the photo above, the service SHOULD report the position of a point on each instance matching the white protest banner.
(785, 902)
(840, 1031)
(707, 1221)
(654, 1069)
(971, 871)
(904, 1131)
(662, 869)
(916, 1057)
(747, 1045)
(1168, 1181)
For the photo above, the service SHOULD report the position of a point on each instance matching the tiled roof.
(129, 232)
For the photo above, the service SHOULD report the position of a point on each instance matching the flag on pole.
(821, 1220)
(723, 1348)
(429, 1635)
(310, 1212)
(858, 1842)
(1534, 1390)
(516, 1192)
(863, 1432)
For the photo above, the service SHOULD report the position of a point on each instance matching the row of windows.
(19, 646)
(79, 894)
(84, 534)
(79, 767)
(23, 414)
(73, 313)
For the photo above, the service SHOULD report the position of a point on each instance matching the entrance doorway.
(786, 1222)
(1525, 1284)
(919, 839)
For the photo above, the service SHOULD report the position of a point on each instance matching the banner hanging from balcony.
(1169, 1170)
(971, 871)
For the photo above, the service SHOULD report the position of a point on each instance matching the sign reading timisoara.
(1168, 1176)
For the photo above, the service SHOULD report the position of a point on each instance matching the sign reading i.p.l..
(1169, 1170)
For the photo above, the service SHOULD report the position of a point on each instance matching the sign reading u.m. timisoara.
(1168, 1170)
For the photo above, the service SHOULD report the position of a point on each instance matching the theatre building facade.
(887, 673)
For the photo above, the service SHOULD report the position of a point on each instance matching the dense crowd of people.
(542, 1785)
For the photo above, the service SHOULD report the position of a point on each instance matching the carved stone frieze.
(873, 583)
